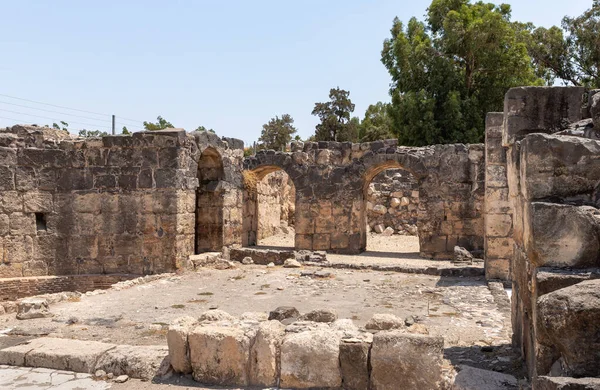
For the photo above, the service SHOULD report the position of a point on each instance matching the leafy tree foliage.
(335, 115)
(277, 133)
(125, 131)
(160, 124)
(450, 70)
(377, 123)
(570, 53)
(65, 126)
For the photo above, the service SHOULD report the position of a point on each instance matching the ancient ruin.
(107, 216)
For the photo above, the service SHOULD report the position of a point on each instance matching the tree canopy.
(337, 123)
(451, 69)
(570, 53)
(377, 123)
(277, 133)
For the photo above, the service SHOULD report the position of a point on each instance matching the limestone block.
(564, 235)
(30, 308)
(141, 362)
(220, 355)
(565, 383)
(496, 176)
(37, 202)
(65, 354)
(321, 242)
(569, 320)
(379, 209)
(179, 353)
(284, 312)
(215, 315)
(500, 248)
(265, 354)
(22, 224)
(310, 359)
(384, 322)
(471, 378)
(498, 225)
(406, 361)
(354, 360)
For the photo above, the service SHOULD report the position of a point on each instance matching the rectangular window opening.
(40, 221)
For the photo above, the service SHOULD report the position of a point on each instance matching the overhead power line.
(54, 119)
(67, 108)
(52, 111)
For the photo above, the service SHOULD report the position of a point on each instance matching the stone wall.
(331, 181)
(498, 213)
(393, 201)
(276, 204)
(15, 288)
(553, 180)
(116, 204)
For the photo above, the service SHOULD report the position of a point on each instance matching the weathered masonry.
(331, 180)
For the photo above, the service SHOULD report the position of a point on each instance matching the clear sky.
(229, 65)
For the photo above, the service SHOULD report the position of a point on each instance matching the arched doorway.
(269, 208)
(209, 202)
(391, 210)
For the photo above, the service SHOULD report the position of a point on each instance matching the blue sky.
(228, 65)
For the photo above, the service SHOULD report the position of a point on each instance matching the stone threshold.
(140, 362)
(443, 270)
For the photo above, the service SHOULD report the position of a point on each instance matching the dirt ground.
(463, 310)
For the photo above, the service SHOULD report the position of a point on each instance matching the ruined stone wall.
(117, 204)
(498, 212)
(393, 201)
(332, 178)
(276, 204)
(553, 181)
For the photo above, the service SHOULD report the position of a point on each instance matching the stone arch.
(251, 203)
(209, 202)
(371, 165)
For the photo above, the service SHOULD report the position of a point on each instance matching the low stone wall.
(15, 288)
(393, 201)
(219, 349)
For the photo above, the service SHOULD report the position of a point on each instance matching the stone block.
(30, 308)
(496, 176)
(497, 269)
(179, 352)
(36, 202)
(310, 359)
(22, 224)
(499, 248)
(406, 361)
(354, 362)
(142, 362)
(565, 383)
(498, 225)
(569, 321)
(563, 235)
(265, 354)
(65, 354)
(534, 109)
(220, 355)
(321, 242)
(7, 179)
(471, 378)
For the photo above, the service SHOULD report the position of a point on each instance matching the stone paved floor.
(23, 378)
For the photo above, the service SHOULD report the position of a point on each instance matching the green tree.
(125, 131)
(160, 124)
(450, 70)
(277, 133)
(65, 126)
(335, 115)
(570, 54)
(377, 123)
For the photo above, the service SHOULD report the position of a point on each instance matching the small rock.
(404, 201)
(379, 228)
(110, 375)
(247, 260)
(292, 263)
(72, 320)
(323, 274)
(284, 312)
(410, 320)
(100, 374)
(379, 209)
(215, 315)
(395, 202)
(121, 379)
(388, 231)
(461, 255)
(320, 315)
(271, 265)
